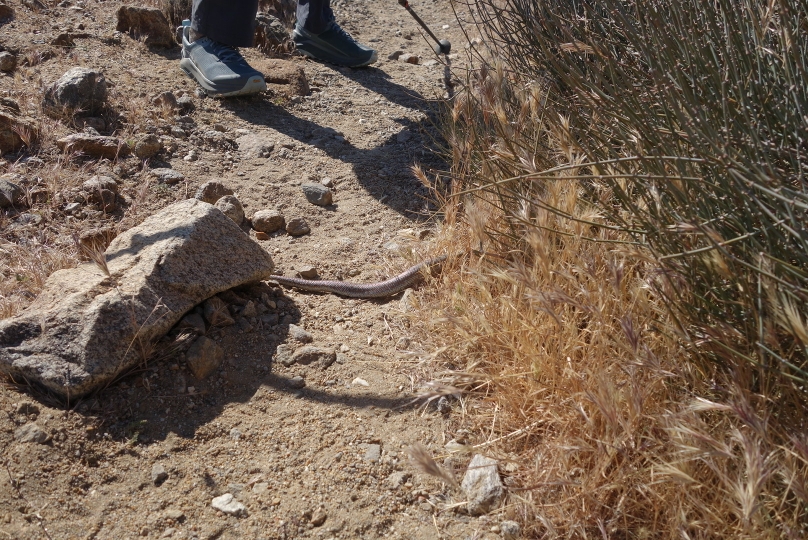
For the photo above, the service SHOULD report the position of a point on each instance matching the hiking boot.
(334, 45)
(218, 68)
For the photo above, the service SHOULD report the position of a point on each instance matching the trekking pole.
(443, 46)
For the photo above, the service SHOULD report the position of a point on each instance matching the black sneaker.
(334, 45)
(218, 68)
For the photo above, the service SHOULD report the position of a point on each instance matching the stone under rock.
(204, 357)
(79, 333)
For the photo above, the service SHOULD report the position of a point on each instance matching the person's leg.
(209, 53)
(231, 22)
(314, 15)
(317, 35)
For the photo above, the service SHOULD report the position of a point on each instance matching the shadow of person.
(383, 170)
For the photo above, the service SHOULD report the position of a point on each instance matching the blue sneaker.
(334, 45)
(218, 68)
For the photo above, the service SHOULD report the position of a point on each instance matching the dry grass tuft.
(557, 325)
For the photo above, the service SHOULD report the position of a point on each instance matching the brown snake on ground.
(381, 289)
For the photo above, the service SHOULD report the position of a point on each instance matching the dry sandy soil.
(300, 459)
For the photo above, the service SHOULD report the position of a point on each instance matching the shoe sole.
(311, 55)
(255, 85)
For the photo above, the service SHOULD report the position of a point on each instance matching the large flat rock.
(86, 326)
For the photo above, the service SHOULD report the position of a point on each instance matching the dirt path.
(310, 451)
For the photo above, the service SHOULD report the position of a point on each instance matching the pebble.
(309, 354)
(509, 529)
(409, 58)
(212, 191)
(232, 208)
(215, 312)
(158, 474)
(373, 453)
(327, 182)
(317, 194)
(268, 221)
(228, 504)
(361, 382)
(167, 176)
(297, 382)
(299, 334)
(482, 485)
(318, 517)
(7, 61)
(283, 353)
(395, 55)
(297, 227)
(307, 271)
(31, 433)
(204, 357)
(235, 434)
(261, 236)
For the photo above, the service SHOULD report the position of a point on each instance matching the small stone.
(261, 236)
(215, 311)
(296, 382)
(235, 434)
(231, 207)
(167, 176)
(482, 485)
(249, 310)
(166, 99)
(255, 146)
(398, 479)
(229, 505)
(317, 194)
(97, 183)
(158, 474)
(306, 271)
(174, 515)
(79, 89)
(89, 123)
(318, 517)
(10, 193)
(297, 227)
(212, 191)
(268, 221)
(509, 529)
(186, 104)
(373, 452)
(409, 58)
(443, 405)
(298, 334)
(395, 55)
(97, 146)
(147, 146)
(31, 433)
(309, 354)
(260, 488)
(148, 22)
(327, 182)
(204, 357)
(194, 322)
(8, 61)
(63, 40)
(283, 354)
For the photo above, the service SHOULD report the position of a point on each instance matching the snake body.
(380, 289)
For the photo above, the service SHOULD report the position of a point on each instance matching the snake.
(381, 289)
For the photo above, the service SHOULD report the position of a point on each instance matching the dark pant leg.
(314, 15)
(231, 22)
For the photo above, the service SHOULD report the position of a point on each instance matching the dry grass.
(557, 327)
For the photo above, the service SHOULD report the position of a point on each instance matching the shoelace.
(227, 54)
(340, 30)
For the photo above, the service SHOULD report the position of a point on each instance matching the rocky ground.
(263, 447)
